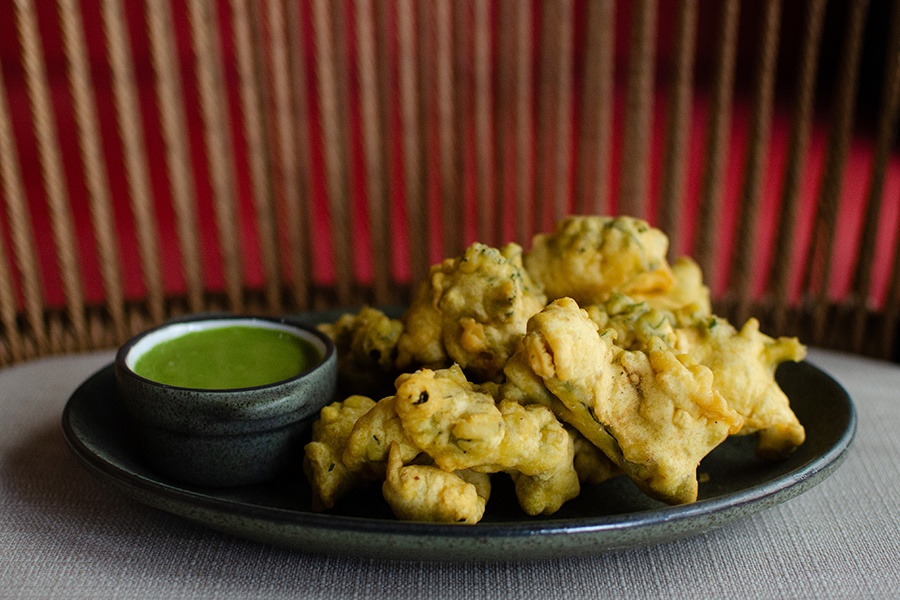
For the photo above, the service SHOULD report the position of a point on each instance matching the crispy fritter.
(634, 323)
(588, 258)
(329, 477)
(743, 365)
(368, 444)
(366, 344)
(525, 387)
(471, 311)
(655, 413)
(428, 493)
(541, 458)
(460, 427)
(688, 292)
(444, 415)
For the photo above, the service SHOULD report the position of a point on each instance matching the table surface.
(65, 534)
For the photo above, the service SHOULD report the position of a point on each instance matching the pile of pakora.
(586, 358)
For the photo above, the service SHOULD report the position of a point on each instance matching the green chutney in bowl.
(228, 356)
(225, 401)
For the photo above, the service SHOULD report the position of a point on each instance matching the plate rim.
(156, 492)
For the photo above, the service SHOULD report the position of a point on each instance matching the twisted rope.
(94, 165)
(51, 170)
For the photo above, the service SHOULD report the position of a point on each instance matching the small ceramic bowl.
(231, 436)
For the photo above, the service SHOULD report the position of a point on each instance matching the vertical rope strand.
(463, 112)
(674, 168)
(886, 135)
(10, 333)
(128, 112)
(217, 133)
(93, 162)
(741, 270)
(524, 187)
(51, 170)
(297, 205)
(819, 255)
(372, 132)
(386, 61)
(802, 115)
(286, 176)
(504, 121)
(22, 244)
(342, 70)
(248, 45)
(548, 99)
(484, 156)
(451, 190)
(170, 100)
(891, 308)
(462, 86)
(717, 134)
(333, 107)
(565, 53)
(634, 188)
(554, 116)
(412, 148)
(595, 132)
(427, 64)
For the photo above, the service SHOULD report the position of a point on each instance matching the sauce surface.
(227, 358)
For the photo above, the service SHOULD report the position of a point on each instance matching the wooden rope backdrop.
(704, 248)
(160, 158)
(798, 142)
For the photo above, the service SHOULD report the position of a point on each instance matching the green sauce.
(227, 358)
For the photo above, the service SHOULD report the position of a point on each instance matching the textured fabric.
(64, 534)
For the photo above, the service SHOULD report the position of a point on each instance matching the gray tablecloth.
(65, 534)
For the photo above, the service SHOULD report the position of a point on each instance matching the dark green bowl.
(224, 437)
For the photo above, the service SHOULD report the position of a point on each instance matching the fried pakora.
(427, 493)
(688, 291)
(460, 427)
(634, 323)
(366, 344)
(329, 477)
(471, 311)
(654, 413)
(371, 439)
(587, 258)
(743, 363)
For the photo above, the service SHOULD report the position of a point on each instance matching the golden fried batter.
(460, 427)
(540, 455)
(634, 323)
(743, 365)
(589, 257)
(427, 493)
(688, 290)
(324, 467)
(655, 414)
(367, 446)
(471, 311)
(444, 415)
(366, 344)
(525, 387)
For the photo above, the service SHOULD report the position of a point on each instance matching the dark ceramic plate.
(604, 517)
